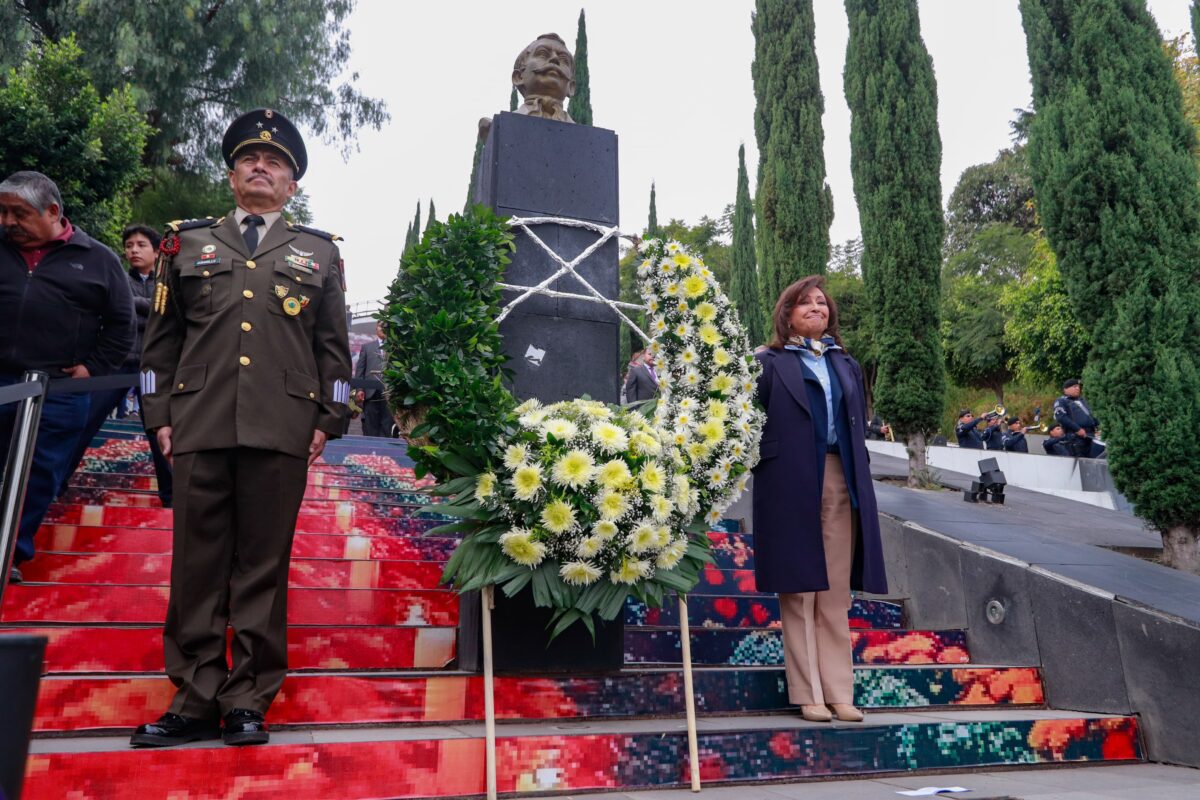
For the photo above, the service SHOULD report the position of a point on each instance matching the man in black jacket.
(1057, 444)
(1013, 439)
(376, 420)
(1072, 412)
(68, 311)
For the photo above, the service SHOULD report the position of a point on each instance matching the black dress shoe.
(243, 726)
(172, 729)
(14, 575)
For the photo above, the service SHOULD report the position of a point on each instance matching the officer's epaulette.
(333, 237)
(187, 224)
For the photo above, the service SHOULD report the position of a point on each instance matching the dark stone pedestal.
(558, 348)
(20, 671)
(519, 635)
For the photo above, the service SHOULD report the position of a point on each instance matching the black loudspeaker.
(20, 670)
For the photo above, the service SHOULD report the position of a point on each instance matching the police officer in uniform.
(965, 431)
(1073, 414)
(245, 375)
(1013, 439)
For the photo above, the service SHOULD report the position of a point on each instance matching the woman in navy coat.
(815, 524)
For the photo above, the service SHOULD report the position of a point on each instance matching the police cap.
(1069, 382)
(1013, 420)
(263, 126)
(964, 412)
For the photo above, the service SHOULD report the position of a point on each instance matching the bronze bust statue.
(544, 74)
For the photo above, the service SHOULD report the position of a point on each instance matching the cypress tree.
(896, 158)
(514, 100)
(579, 108)
(1110, 151)
(474, 174)
(652, 228)
(432, 215)
(417, 224)
(795, 206)
(1196, 24)
(743, 277)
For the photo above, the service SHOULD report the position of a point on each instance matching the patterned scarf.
(818, 347)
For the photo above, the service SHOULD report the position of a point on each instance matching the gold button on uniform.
(206, 273)
(299, 279)
(246, 326)
(249, 295)
(244, 361)
(250, 264)
(181, 386)
(311, 396)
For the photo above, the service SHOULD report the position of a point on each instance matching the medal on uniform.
(291, 306)
(304, 301)
(281, 291)
(208, 248)
(303, 264)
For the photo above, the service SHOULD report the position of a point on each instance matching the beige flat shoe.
(846, 712)
(816, 713)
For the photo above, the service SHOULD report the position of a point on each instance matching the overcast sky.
(671, 77)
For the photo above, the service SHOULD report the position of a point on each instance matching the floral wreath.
(588, 503)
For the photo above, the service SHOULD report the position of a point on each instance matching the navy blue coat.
(789, 553)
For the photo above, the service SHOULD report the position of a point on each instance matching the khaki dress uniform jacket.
(246, 355)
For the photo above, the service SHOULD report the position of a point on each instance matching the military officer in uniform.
(245, 375)
(1072, 412)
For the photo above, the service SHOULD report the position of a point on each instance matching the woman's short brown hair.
(788, 300)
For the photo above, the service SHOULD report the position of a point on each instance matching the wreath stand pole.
(489, 696)
(689, 696)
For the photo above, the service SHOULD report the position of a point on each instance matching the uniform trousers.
(816, 631)
(235, 516)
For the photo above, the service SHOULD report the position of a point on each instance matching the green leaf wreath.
(581, 502)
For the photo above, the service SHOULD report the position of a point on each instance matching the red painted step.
(306, 573)
(343, 517)
(92, 604)
(140, 649)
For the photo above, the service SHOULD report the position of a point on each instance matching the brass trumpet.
(999, 411)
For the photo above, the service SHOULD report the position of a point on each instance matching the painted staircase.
(374, 707)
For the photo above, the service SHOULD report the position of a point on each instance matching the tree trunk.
(1181, 548)
(918, 472)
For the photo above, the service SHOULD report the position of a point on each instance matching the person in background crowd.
(1013, 438)
(141, 247)
(247, 375)
(67, 310)
(966, 431)
(1076, 418)
(877, 429)
(815, 520)
(376, 419)
(642, 381)
(1057, 444)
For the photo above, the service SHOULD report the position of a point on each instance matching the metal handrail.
(20, 458)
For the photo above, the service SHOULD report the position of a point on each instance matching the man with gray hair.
(67, 311)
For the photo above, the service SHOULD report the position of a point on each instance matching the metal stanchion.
(489, 692)
(689, 695)
(16, 469)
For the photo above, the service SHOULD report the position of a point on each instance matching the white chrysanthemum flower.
(712, 517)
(574, 469)
(684, 420)
(485, 487)
(612, 505)
(713, 431)
(748, 386)
(737, 450)
(527, 481)
(743, 404)
(683, 330)
(558, 517)
(698, 451)
(515, 455)
(717, 409)
(671, 289)
(706, 273)
(672, 554)
(610, 438)
(673, 247)
(662, 537)
(721, 357)
(614, 474)
(532, 419)
(689, 356)
(656, 348)
(722, 383)
(644, 444)
(743, 483)
(642, 538)
(560, 428)
(706, 312)
(529, 405)
(605, 530)
(653, 477)
(589, 546)
(661, 508)
(652, 305)
(691, 378)
(658, 326)
(579, 573)
(687, 404)
(717, 478)
(518, 544)
(709, 335)
(631, 571)
(679, 438)
(666, 267)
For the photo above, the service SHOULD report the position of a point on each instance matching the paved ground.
(1115, 782)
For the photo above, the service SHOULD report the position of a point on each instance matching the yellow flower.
(671, 288)
(579, 573)
(529, 405)
(653, 477)
(683, 259)
(644, 443)
(518, 544)
(574, 469)
(604, 529)
(694, 286)
(666, 267)
(610, 438)
(717, 409)
(527, 481)
(558, 516)
(612, 505)
(684, 420)
(642, 539)
(679, 438)
(589, 546)
(705, 272)
(630, 571)
(658, 325)
(661, 508)
(691, 378)
(683, 330)
(485, 487)
(706, 312)
(721, 383)
(681, 306)
(662, 536)
(652, 306)
(721, 357)
(560, 428)
(673, 247)
(614, 474)
(698, 451)
(533, 419)
(713, 431)
(515, 455)
(689, 356)
(717, 478)
(712, 517)
(709, 334)
(671, 555)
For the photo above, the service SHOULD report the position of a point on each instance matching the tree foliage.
(1000, 191)
(895, 161)
(844, 282)
(794, 203)
(196, 64)
(1116, 185)
(54, 120)
(652, 225)
(743, 269)
(579, 107)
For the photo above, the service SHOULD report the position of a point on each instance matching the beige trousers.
(816, 631)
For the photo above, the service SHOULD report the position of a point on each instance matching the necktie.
(251, 235)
